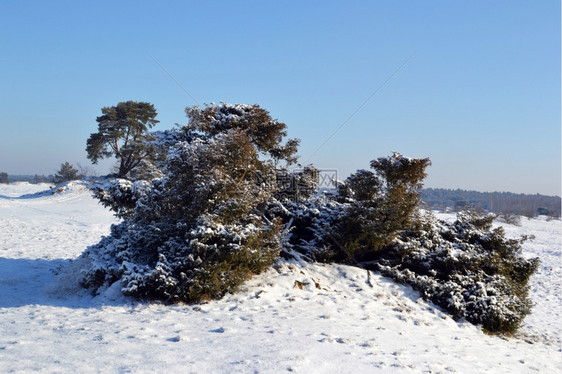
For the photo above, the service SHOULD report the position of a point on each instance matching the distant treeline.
(66, 172)
(495, 202)
(31, 178)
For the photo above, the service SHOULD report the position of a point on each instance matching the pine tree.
(66, 173)
(123, 133)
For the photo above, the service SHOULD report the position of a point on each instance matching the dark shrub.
(200, 230)
(465, 268)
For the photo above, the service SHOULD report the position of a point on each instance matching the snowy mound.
(18, 189)
(308, 318)
(72, 187)
(26, 190)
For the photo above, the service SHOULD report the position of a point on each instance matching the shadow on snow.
(28, 195)
(26, 281)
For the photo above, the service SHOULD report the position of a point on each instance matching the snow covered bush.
(311, 223)
(199, 231)
(466, 268)
(120, 195)
(374, 221)
(366, 214)
(510, 218)
(296, 185)
(382, 203)
(218, 203)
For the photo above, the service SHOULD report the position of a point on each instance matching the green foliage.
(382, 203)
(123, 133)
(226, 269)
(264, 132)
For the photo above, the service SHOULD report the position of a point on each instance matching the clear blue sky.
(479, 96)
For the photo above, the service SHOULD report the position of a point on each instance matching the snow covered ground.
(307, 318)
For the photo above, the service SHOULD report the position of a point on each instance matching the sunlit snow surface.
(341, 320)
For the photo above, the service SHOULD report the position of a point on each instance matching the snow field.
(296, 317)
